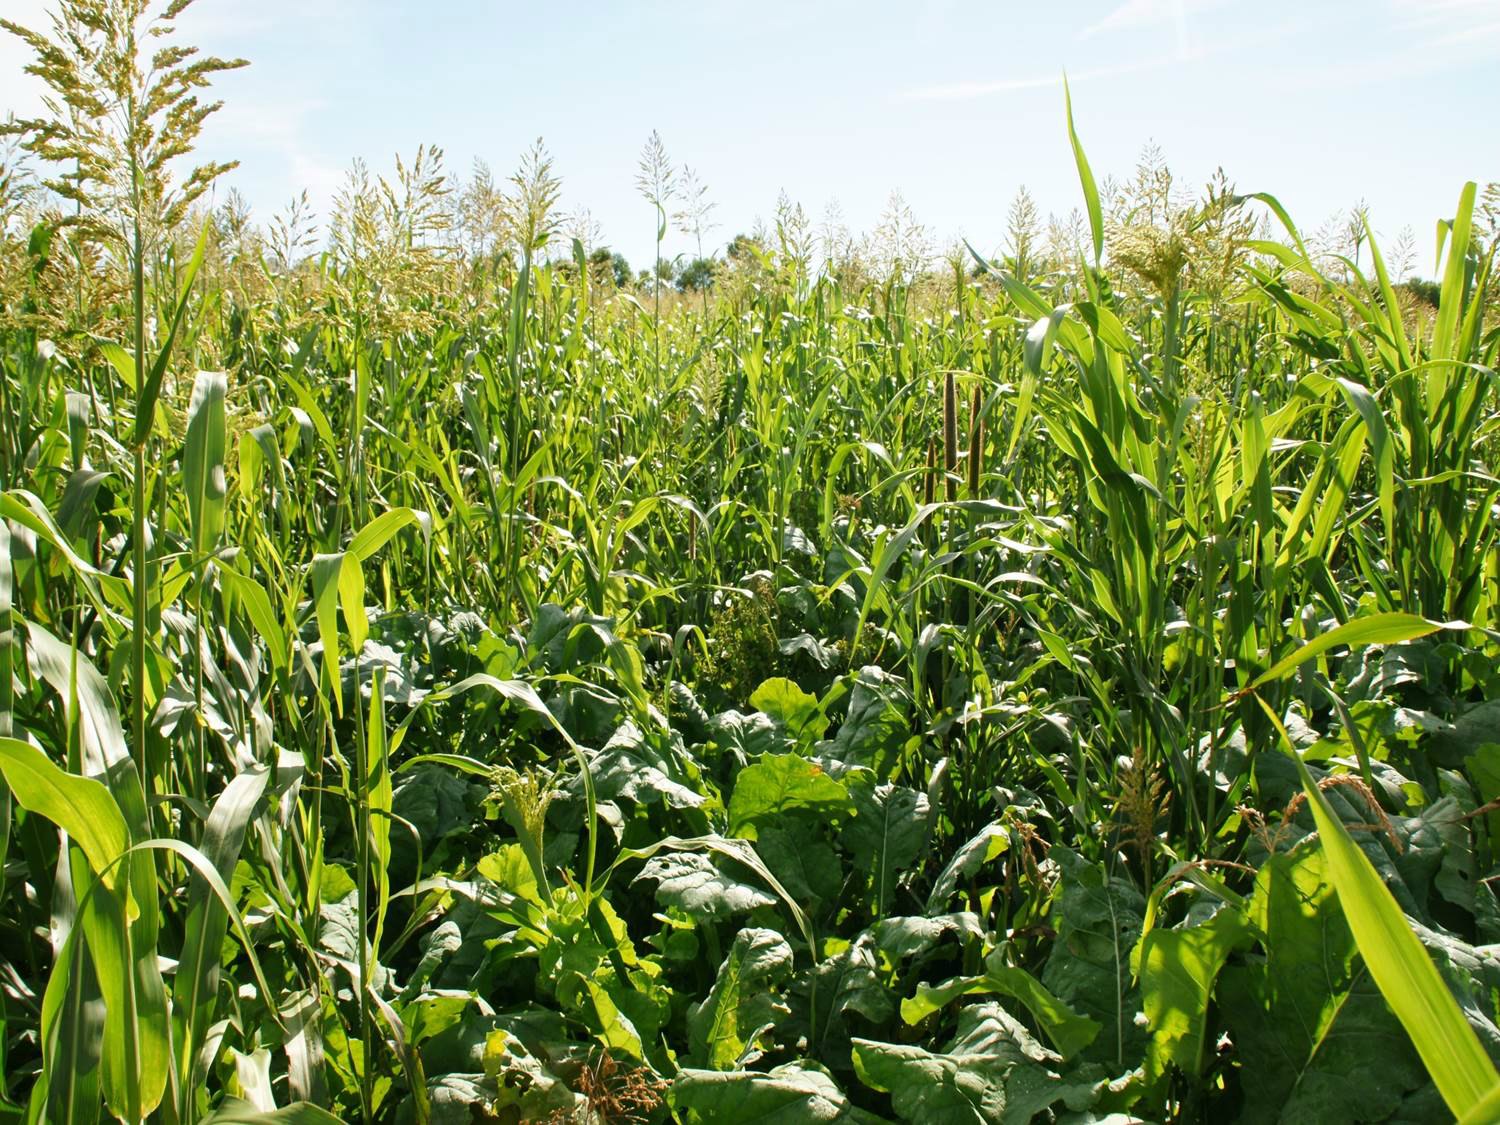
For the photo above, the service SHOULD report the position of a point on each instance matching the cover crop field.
(446, 677)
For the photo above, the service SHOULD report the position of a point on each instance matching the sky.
(953, 103)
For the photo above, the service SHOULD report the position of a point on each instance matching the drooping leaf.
(692, 882)
(788, 1095)
(1069, 1032)
(1407, 978)
(992, 1072)
(1373, 629)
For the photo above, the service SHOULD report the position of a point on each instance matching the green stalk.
(139, 575)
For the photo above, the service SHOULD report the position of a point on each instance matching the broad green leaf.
(886, 835)
(1098, 919)
(848, 980)
(905, 937)
(741, 851)
(875, 726)
(992, 1073)
(788, 704)
(691, 882)
(1068, 1031)
(788, 1095)
(1305, 1018)
(782, 783)
(739, 1006)
(1407, 978)
(1178, 969)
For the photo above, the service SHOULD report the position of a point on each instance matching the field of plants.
(445, 677)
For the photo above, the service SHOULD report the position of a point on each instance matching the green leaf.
(899, 938)
(122, 361)
(876, 726)
(524, 1082)
(1178, 969)
(88, 703)
(1485, 1112)
(1305, 1018)
(989, 843)
(203, 460)
(1450, 299)
(789, 705)
(1373, 629)
(992, 1072)
(1098, 919)
(739, 1006)
(630, 767)
(80, 806)
(802, 859)
(847, 980)
(611, 1025)
(1069, 1032)
(691, 882)
(1086, 179)
(195, 986)
(379, 531)
(1407, 978)
(886, 835)
(145, 407)
(792, 1094)
(782, 783)
(124, 955)
(258, 609)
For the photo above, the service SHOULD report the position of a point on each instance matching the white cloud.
(966, 91)
(1138, 15)
(1132, 15)
(1449, 23)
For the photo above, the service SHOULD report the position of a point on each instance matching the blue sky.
(955, 104)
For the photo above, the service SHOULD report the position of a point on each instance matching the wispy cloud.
(1449, 23)
(1443, 12)
(966, 91)
(1137, 15)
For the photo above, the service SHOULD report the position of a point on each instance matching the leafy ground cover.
(450, 684)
